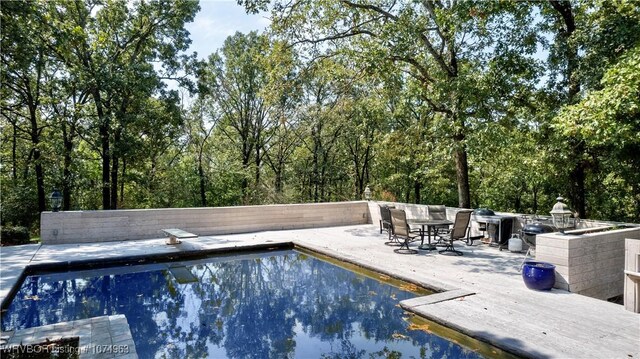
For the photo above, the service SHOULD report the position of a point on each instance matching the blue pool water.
(277, 304)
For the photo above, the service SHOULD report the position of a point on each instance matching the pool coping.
(55, 266)
(444, 291)
(101, 337)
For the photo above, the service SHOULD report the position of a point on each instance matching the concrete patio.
(501, 310)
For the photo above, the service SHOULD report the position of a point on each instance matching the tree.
(566, 51)
(111, 48)
(67, 103)
(285, 140)
(609, 120)
(444, 46)
(283, 96)
(201, 127)
(25, 63)
(320, 130)
(234, 80)
(588, 35)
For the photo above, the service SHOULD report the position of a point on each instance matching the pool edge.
(30, 269)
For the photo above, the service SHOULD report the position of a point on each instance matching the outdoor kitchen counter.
(589, 264)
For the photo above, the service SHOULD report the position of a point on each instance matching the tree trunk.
(577, 178)
(37, 156)
(14, 169)
(124, 172)
(115, 167)
(245, 181)
(417, 186)
(113, 188)
(67, 138)
(462, 171)
(32, 98)
(460, 146)
(323, 183)
(636, 192)
(105, 154)
(258, 161)
(315, 174)
(577, 174)
(278, 179)
(517, 202)
(203, 193)
(279, 175)
(407, 192)
(39, 177)
(361, 169)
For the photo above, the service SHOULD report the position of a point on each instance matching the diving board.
(176, 234)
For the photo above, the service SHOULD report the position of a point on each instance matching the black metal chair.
(401, 230)
(385, 219)
(459, 231)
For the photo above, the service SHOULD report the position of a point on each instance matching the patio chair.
(459, 231)
(401, 230)
(438, 212)
(385, 219)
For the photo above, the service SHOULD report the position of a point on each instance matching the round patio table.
(430, 225)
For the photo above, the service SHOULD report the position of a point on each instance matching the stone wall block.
(117, 225)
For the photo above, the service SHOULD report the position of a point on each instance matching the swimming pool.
(276, 304)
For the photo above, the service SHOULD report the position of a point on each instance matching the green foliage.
(336, 96)
(608, 122)
(19, 204)
(611, 116)
(14, 235)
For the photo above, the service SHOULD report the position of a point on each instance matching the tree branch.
(423, 71)
(374, 8)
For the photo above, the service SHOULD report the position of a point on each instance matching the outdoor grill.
(483, 212)
(530, 231)
(497, 227)
(478, 213)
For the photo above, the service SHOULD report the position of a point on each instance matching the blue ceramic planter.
(539, 275)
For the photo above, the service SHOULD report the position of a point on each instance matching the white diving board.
(176, 234)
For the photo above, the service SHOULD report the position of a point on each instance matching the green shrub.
(14, 235)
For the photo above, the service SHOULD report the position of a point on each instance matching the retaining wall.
(632, 275)
(118, 225)
(590, 264)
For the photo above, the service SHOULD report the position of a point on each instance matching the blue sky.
(217, 20)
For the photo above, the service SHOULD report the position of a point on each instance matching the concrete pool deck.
(502, 311)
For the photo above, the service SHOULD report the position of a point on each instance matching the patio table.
(430, 225)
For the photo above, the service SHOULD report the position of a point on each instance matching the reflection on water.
(278, 305)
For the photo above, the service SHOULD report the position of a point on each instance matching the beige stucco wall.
(632, 270)
(589, 264)
(117, 225)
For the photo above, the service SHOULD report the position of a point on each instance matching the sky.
(217, 20)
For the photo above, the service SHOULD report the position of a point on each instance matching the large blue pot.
(539, 275)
